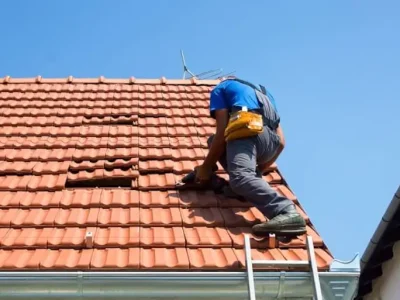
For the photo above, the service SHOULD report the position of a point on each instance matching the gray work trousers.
(240, 161)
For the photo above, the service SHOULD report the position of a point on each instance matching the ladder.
(311, 263)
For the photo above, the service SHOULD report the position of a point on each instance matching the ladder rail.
(311, 263)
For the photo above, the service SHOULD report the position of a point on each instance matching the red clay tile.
(186, 142)
(76, 217)
(237, 236)
(164, 258)
(273, 177)
(11, 199)
(200, 112)
(285, 191)
(158, 216)
(154, 153)
(86, 165)
(30, 217)
(156, 165)
(118, 216)
(89, 154)
(182, 131)
(79, 198)
(186, 166)
(117, 237)
(24, 237)
(152, 103)
(181, 121)
(14, 183)
(66, 259)
(47, 182)
(207, 237)
(85, 175)
(156, 181)
(237, 217)
(54, 154)
(121, 162)
(179, 112)
(190, 198)
(17, 167)
(115, 258)
(67, 237)
(94, 130)
(123, 130)
(119, 197)
(211, 259)
(152, 112)
(261, 254)
(121, 173)
(40, 199)
(205, 130)
(158, 198)
(151, 121)
(122, 153)
(51, 167)
(185, 154)
(21, 259)
(162, 237)
(153, 131)
(122, 142)
(202, 216)
(226, 202)
(155, 142)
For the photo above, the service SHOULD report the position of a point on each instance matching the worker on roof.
(248, 140)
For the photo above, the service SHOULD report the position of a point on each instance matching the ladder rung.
(281, 263)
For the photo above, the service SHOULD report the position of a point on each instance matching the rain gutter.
(171, 285)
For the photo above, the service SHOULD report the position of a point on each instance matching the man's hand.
(203, 173)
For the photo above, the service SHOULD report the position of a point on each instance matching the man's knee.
(209, 140)
(238, 182)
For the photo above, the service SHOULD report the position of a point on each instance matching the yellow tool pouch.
(243, 124)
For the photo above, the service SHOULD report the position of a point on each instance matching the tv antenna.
(211, 74)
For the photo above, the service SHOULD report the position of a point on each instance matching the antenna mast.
(210, 74)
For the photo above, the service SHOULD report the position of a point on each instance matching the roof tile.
(118, 197)
(202, 216)
(207, 237)
(160, 216)
(154, 153)
(66, 259)
(164, 258)
(198, 199)
(156, 181)
(118, 216)
(117, 237)
(158, 199)
(236, 216)
(76, 217)
(162, 237)
(211, 259)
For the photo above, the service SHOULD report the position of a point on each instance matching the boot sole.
(284, 231)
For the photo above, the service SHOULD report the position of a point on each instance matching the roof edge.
(104, 80)
(168, 285)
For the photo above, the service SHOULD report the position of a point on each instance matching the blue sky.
(332, 66)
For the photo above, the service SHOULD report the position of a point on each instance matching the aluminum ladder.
(311, 263)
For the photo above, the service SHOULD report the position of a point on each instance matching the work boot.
(289, 222)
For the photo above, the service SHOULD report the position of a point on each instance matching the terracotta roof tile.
(164, 258)
(162, 237)
(88, 168)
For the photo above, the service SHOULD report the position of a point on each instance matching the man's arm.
(281, 146)
(218, 143)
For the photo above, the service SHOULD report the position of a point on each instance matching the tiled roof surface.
(87, 180)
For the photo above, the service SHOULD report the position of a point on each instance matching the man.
(244, 159)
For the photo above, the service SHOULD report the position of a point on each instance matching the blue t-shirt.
(231, 93)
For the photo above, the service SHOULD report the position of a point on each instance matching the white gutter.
(170, 285)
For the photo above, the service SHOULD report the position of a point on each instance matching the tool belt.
(243, 124)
